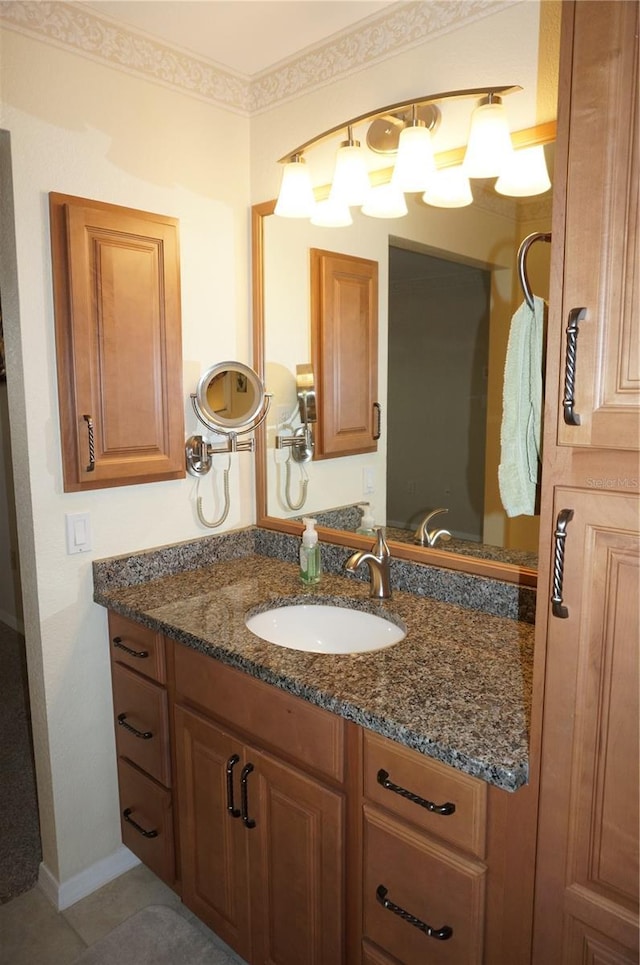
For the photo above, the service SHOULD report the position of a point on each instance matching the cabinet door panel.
(601, 241)
(212, 843)
(589, 791)
(297, 866)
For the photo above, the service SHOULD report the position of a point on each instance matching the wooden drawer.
(148, 805)
(136, 646)
(437, 886)
(374, 956)
(290, 725)
(142, 723)
(431, 782)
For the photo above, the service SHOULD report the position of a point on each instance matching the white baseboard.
(62, 895)
(11, 620)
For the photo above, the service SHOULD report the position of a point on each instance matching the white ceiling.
(245, 36)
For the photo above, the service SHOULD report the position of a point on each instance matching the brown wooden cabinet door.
(118, 340)
(213, 843)
(587, 899)
(602, 259)
(344, 336)
(297, 861)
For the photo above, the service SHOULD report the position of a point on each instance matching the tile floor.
(32, 932)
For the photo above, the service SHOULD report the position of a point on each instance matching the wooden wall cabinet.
(588, 626)
(116, 279)
(344, 340)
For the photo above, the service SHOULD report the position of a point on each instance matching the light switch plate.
(78, 532)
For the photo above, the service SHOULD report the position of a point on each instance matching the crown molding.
(75, 28)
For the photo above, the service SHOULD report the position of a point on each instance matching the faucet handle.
(381, 548)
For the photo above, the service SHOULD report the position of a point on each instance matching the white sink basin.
(322, 628)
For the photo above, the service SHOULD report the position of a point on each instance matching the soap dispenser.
(310, 561)
(367, 523)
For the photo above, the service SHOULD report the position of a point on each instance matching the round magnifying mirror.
(230, 396)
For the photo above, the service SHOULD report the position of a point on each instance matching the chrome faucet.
(378, 560)
(427, 537)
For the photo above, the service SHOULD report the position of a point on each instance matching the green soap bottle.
(310, 560)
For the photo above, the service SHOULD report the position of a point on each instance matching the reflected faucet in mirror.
(426, 537)
(378, 560)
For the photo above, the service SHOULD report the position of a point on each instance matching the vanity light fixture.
(526, 174)
(449, 188)
(406, 131)
(489, 147)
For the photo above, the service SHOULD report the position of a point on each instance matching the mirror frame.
(507, 572)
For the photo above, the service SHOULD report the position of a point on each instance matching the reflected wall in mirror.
(448, 289)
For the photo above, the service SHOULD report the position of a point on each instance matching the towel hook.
(522, 262)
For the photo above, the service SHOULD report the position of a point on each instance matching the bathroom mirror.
(229, 398)
(461, 249)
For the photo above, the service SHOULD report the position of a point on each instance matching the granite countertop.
(457, 688)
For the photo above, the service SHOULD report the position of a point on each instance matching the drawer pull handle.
(126, 814)
(383, 778)
(231, 763)
(244, 796)
(144, 735)
(442, 934)
(570, 416)
(558, 608)
(117, 642)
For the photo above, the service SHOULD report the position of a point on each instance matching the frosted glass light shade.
(331, 214)
(449, 188)
(350, 183)
(385, 201)
(489, 147)
(526, 174)
(414, 164)
(296, 198)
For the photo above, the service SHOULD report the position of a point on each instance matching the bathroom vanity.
(316, 808)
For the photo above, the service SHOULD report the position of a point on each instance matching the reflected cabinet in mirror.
(448, 286)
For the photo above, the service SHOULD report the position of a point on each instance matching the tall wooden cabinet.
(588, 627)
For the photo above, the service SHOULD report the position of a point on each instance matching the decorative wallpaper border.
(403, 25)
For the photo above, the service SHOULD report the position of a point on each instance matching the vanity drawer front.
(141, 706)
(136, 646)
(438, 887)
(432, 782)
(308, 735)
(148, 805)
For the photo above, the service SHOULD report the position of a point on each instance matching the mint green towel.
(519, 469)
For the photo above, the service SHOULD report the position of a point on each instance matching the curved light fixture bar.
(394, 109)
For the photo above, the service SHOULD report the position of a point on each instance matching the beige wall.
(81, 128)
